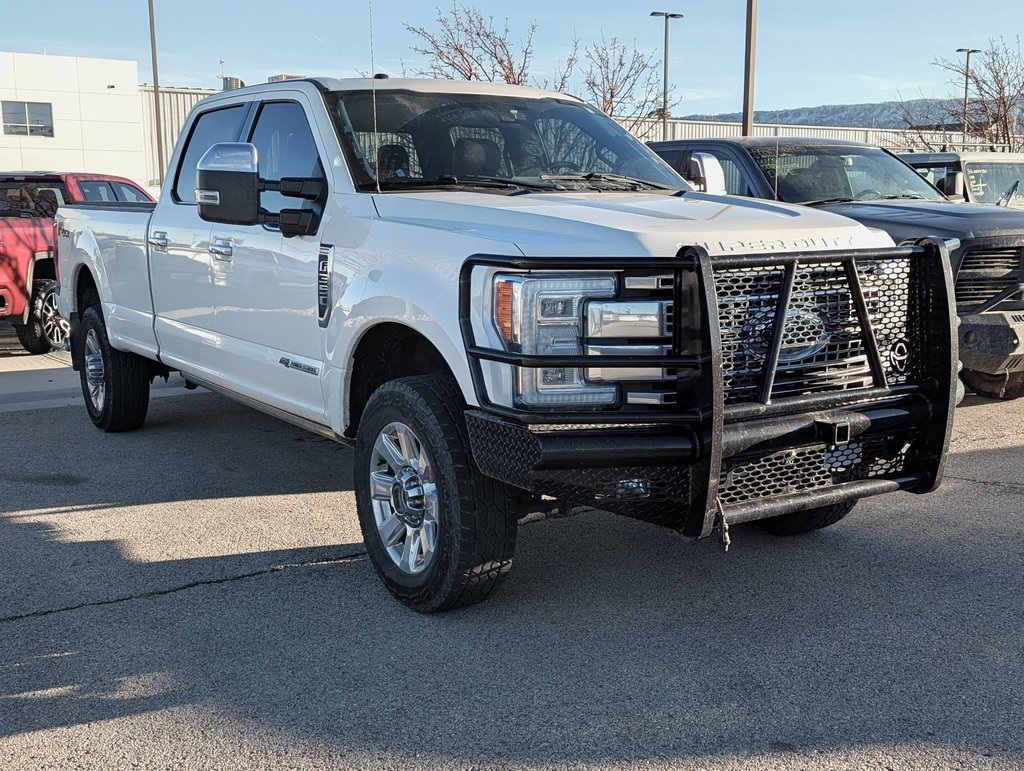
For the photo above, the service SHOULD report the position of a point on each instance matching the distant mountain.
(875, 115)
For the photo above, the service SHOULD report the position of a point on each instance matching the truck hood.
(628, 224)
(946, 219)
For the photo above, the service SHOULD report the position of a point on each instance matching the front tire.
(995, 386)
(807, 521)
(439, 533)
(115, 384)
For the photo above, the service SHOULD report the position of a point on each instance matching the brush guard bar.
(729, 440)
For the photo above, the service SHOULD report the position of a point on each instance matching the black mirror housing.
(297, 222)
(227, 184)
(307, 188)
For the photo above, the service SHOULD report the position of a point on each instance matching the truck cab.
(978, 177)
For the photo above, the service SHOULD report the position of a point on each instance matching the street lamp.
(967, 80)
(664, 85)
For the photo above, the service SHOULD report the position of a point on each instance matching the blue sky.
(809, 52)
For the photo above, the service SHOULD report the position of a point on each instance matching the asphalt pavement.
(196, 595)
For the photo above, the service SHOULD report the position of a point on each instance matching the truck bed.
(113, 234)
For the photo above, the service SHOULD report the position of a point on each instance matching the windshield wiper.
(451, 180)
(902, 196)
(1008, 195)
(598, 176)
(845, 199)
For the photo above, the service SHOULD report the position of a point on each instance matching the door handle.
(158, 240)
(221, 249)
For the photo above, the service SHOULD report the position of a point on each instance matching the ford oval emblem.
(804, 335)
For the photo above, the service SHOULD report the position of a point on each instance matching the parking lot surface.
(196, 594)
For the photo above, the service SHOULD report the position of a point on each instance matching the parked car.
(992, 178)
(508, 305)
(874, 187)
(28, 201)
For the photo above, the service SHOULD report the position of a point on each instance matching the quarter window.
(34, 119)
(95, 190)
(129, 193)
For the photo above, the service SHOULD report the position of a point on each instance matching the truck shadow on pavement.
(612, 642)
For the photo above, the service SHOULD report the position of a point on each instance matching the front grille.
(985, 273)
(800, 469)
(823, 342)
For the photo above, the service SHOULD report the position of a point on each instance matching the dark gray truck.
(874, 187)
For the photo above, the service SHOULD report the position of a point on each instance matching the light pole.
(664, 85)
(156, 98)
(748, 72)
(967, 81)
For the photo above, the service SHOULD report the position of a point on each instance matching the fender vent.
(324, 270)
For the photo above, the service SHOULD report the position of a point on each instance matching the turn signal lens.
(503, 310)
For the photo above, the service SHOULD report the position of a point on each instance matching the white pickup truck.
(509, 305)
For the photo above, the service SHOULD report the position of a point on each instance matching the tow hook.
(722, 524)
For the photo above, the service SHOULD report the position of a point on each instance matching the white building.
(70, 113)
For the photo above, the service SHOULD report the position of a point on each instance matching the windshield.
(989, 181)
(817, 173)
(420, 140)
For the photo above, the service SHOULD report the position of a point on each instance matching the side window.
(211, 127)
(96, 190)
(671, 157)
(129, 193)
(735, 179)
(285, 148)
(932, 173)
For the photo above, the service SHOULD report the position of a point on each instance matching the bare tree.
(931, 124)
(623, 82)
(564, 70)
(468, 46)
(995, 111)
(998, 86)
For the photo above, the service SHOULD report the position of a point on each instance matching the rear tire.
(43, 332)
(55, 327)
(994, 386)
(807, 521)
(439, 533)
(115, 384)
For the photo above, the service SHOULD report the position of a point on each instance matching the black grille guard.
(1013, 285)
(701, 419)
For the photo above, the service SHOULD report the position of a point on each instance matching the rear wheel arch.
(86, 291)
(40, 268)
(43, 267)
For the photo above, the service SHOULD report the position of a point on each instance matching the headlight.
(543, 315)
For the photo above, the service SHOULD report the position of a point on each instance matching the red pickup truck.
(28, 201)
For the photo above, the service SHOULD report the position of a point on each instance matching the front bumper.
(767, 467)
(993, 342)
(746, 453)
